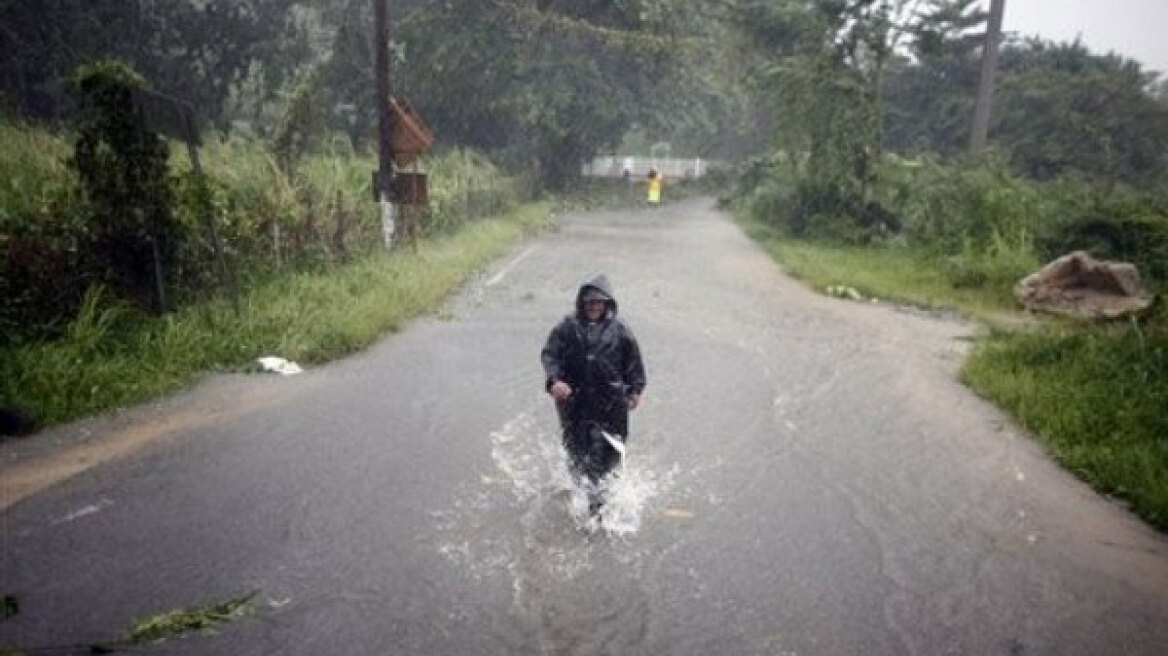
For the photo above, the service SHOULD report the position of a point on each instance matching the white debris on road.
(843, 291)
(279, 365)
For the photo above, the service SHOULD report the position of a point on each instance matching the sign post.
(173, 118)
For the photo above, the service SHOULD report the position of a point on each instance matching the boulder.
(1078, 284)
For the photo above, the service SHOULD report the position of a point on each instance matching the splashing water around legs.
(541, 471)
(596, 456)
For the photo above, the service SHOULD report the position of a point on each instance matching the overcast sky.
(1137, 29)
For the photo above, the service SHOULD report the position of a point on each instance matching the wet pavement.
(805, 477)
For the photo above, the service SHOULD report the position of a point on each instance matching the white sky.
(1137, 29)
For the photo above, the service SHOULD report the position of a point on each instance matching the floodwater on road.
(805, 477)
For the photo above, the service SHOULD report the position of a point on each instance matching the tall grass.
(34, 178)
(271, 218)
(111, 355)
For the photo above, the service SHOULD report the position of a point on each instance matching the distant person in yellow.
(656, 181)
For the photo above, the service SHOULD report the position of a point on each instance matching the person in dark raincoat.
(596, 376)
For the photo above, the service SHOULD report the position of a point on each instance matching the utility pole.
(989, 68)
(383, 177)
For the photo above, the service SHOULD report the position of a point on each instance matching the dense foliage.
(1080, 140)
(132, 235)
(271, 219)
(201, 52)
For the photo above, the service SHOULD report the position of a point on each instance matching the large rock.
(1078, 284)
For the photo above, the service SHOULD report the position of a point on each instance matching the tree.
(1063, 109)
(548, 82)
(825, 77)
(929, 96)
(194, 50)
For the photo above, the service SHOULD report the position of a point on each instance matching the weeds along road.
(805, 477)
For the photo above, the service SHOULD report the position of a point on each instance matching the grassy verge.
(1096, 396)
(112, 356)
(889, 274)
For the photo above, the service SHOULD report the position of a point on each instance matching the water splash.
(530, 489)
(536, 465)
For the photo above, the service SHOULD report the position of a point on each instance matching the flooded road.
(805, 477)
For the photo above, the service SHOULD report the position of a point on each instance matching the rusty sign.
(410, 189)
(166, 115)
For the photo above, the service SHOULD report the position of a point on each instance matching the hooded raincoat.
(602, 364)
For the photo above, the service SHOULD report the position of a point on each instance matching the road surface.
(805, 477)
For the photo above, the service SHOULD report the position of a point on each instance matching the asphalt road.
(805, 477)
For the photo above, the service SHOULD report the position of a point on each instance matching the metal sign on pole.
(173, 118)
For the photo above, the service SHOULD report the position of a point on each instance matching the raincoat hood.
(598, 283)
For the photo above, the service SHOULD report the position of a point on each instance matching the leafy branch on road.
(171, 624)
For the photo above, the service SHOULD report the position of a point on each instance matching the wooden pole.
(989, 68)
(384, 176)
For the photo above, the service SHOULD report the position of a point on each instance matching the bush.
(465, 185)
(985, 224)
(1114, 223)
(961, 208)
(131, 233)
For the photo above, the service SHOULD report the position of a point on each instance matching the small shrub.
(956, 208)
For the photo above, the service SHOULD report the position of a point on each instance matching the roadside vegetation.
(1078, 161)
(304, 242)
(111, 355)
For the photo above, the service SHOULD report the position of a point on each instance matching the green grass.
(112, 356)
(1096, 396)
(890, 273)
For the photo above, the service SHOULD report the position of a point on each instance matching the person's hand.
(560, 390)
(634, 401)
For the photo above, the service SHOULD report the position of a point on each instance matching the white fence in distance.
(676, 168)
